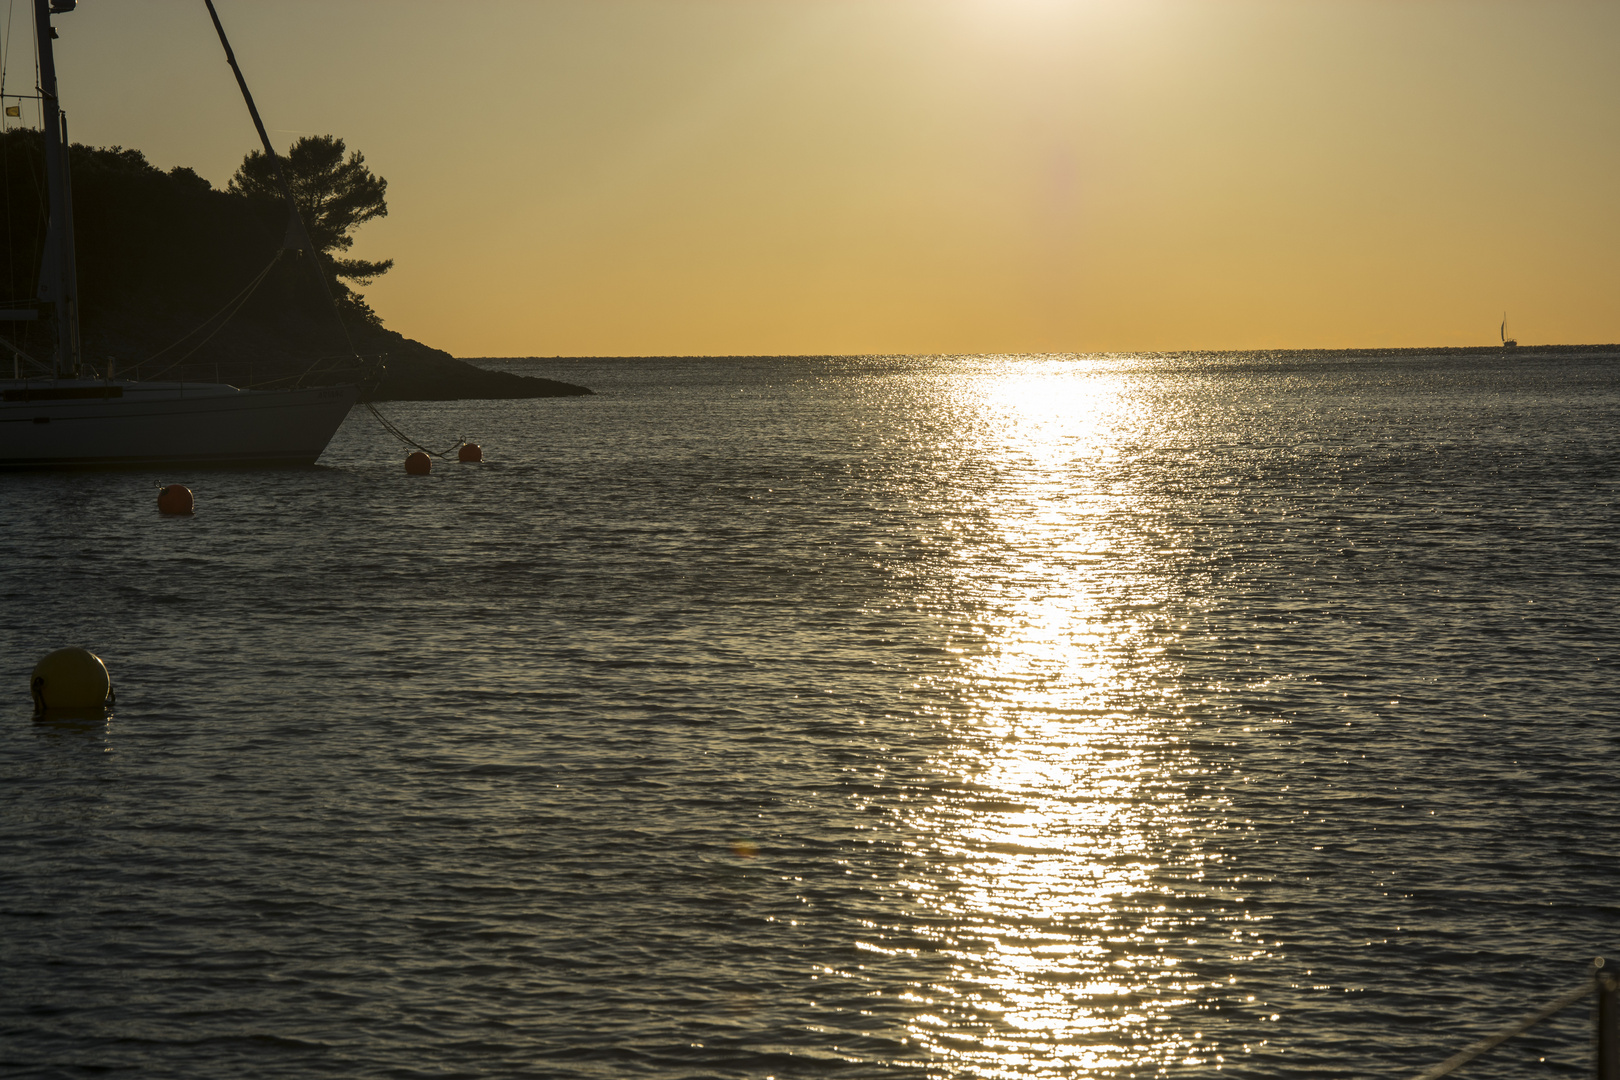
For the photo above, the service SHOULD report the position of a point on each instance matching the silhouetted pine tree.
(335, 195)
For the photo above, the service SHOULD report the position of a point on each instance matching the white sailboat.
(63, 413)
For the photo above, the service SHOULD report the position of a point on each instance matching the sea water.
(944, 717)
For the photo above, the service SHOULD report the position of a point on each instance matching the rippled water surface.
(967, 717)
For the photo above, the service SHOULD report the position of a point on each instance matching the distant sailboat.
(1507, 342)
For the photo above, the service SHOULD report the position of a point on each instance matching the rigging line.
(1491, 1042)
(222, 324)
(5, 160)
(297, 218)
(315, 367)
(5, 165)
(11, 239)
(37, 253)
(228, 312)
(239, 300)
(248, 288)
(5, 55)
(24, 356)
(281, 174)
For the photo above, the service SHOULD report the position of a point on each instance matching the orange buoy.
(176, 499)
(471, 452)
(418, 464)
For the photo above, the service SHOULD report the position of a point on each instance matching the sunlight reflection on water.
(971, 716)
(1060, 696)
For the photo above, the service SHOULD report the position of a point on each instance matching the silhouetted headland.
(167, 268)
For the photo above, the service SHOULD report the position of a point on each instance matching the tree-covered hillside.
(164, 257)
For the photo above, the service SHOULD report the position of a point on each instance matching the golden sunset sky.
(611, 177)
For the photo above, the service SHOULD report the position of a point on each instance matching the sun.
(1021, 15)
(1030, 29)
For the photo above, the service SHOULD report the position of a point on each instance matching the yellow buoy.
(71, 679)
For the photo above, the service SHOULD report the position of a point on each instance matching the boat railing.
(363, 370)
(1603, 983)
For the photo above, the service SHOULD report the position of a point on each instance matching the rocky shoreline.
(417, 372)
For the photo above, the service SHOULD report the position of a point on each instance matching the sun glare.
(1055, 695)
(1021, 20)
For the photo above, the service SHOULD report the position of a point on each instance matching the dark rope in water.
(389, 426)
(1491, 1042)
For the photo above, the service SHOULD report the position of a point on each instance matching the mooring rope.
(389, 426)
(1491, 1042)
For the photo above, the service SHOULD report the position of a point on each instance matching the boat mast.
(58, 276)
(297, 234)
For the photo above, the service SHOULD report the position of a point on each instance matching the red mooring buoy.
(470, 452)
(176, 499)
(418, 464)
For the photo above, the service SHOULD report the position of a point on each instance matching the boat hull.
(53, 425)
